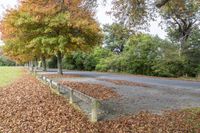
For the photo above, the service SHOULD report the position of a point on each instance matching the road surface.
(163, 94)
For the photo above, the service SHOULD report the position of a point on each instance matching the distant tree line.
(142, 54)
(5, 61)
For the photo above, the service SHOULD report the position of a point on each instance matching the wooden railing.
(71, 94)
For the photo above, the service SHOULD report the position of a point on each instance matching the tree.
(116, 36)
(26, 28)
(169, 62)
(132, 13)
(192, 53)
(181, 17)
(142, 52)
(161, 3)
(15, 47)
(60, 27)
(71, 28)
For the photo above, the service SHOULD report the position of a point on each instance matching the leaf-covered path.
(28, 106)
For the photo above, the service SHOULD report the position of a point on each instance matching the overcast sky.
(101, 16)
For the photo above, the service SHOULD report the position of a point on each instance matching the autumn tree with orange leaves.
(39, 29)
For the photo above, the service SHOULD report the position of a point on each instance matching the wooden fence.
(71, 94)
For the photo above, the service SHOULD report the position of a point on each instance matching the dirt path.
(27, 106)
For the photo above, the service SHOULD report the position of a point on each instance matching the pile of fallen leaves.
(28, 106)
(94, 90)
(51, 76)
(124, 82)
(185, 121)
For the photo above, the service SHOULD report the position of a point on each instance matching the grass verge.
(8, 75)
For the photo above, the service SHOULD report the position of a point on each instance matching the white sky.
(101, 15)
(5, 4)
(103, 18)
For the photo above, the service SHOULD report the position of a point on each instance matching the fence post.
(34, 71)
(58, 87)
(71, 96)
(94, 110)
(44, 79)
(51, 83)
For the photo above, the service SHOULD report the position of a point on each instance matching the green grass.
(190, 78)
(8, 75)
(194, 118)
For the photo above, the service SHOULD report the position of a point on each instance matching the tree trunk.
(29, 64)
(36, 63)
(44, 65)
(183, 40)
(32, 66)
(59, 62)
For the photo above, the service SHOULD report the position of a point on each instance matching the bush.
(143, 54)
(6, 62)
(68, 62)
(89, 62)
(103, 65)
(52, 62)
(85, 61)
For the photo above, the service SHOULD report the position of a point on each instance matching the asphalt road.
(162, 94)
(171, 83)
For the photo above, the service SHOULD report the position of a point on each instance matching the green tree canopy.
(181, 17)
(116, 36)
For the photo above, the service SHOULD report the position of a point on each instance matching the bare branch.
(161, 3)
